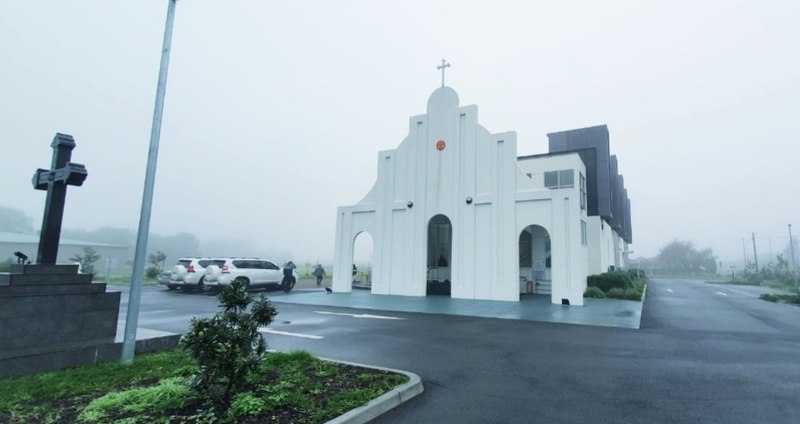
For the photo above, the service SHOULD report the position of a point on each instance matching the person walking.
(319, 272)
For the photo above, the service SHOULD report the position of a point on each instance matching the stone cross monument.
(55, 180)
(52, 316)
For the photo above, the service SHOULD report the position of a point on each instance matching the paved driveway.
(705, 354)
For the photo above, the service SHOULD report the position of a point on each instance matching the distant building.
(67, 248)
(454, 211)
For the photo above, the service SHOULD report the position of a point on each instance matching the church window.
(583, 190)
(566, 179)
(583, 232)
(559, 179)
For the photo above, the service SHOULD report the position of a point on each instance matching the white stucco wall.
(606, 247)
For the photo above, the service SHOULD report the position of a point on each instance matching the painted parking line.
(669, 290)
(369, 316)
(722, 294)
(286, 333)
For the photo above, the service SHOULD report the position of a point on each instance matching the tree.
(227, 346)
(157, 259)
(157, 264)
(680, 257)
(15, 221)
(86, 260)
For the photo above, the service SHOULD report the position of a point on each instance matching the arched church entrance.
(362, 260)
(534, 261)
(440, 247)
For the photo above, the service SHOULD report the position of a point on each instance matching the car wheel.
(244, 281)
(171, 287)
(201, 285)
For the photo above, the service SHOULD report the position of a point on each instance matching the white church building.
(455, 211)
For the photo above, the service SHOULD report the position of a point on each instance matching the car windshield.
(184, 262)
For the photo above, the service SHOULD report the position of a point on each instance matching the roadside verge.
(383, 403)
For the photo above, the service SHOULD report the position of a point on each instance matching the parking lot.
(704, 353)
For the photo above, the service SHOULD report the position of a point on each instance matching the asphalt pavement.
(704, 353)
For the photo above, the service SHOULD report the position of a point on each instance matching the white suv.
(189, 273)
(253, 272)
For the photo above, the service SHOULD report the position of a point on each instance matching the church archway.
(535, 262)
(440, 249)
(362, 260)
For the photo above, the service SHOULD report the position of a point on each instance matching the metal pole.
(744, 254)
(794, 268)
(132, 319)
(755, 254)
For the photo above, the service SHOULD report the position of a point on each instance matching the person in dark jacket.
(319, 272)
(288, 276)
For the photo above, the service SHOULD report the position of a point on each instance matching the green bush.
(246, 404)
(610, 280)
(152, 272)
(633, 294)
(227, 346)
(616, 293)
(594, 292)
(769, 297)
(5, 266)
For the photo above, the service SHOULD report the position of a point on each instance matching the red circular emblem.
(440, 145)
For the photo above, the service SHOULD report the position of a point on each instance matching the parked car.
(189, 273)
(253, 272)
(164, 280)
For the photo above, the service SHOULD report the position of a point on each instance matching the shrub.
(152, 272)
(246, 404)
(86, 260)
(633, 294)
(594, 292)
(616, 293)
(768, 297)
(227, 346)
(609, 280)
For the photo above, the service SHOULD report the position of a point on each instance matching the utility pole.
(755, 254)
(794, 269)
(744, 254)
(132, 318)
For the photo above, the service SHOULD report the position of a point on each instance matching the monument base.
(51, 318)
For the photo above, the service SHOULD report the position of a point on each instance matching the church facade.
(455, 212)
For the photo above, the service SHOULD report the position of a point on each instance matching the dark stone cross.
(55, 180)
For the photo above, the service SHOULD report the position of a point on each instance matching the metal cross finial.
(442, 67)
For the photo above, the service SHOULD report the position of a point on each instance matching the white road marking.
(286, 333)
(357, 315)
(669, 290)
(722, 294)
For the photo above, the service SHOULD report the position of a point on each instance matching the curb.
(383, 403)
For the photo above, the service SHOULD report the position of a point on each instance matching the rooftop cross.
(442, 67)
(55, 180)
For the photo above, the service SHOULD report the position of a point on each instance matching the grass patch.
(288, 387)
(780, 298)
(774, 284)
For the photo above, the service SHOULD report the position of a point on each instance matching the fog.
(275, 110)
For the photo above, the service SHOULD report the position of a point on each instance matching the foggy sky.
(275, 110)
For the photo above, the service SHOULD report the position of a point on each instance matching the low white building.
(455, 211)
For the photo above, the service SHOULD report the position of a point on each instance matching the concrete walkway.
(598, 312)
